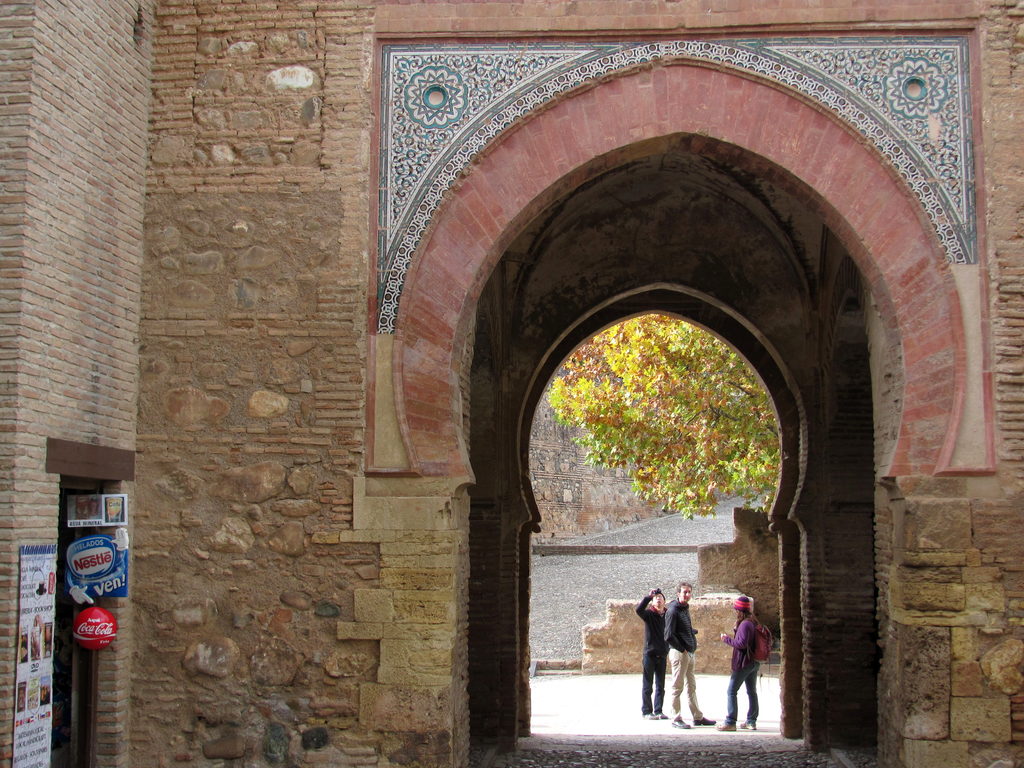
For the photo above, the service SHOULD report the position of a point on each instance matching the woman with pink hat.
(744, 667)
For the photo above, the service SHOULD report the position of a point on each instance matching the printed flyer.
(33, 700)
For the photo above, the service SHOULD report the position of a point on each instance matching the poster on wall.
(34, 677)
(97, 566)
(96, 509)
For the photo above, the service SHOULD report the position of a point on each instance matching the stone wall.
(952, 670)
(616, 645)
(252, 409)
(747, 565)
(574, 498)
(254, 471)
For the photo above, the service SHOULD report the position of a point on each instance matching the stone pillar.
(418, 702)
(952, 671)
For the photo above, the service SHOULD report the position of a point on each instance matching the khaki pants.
(683, 669)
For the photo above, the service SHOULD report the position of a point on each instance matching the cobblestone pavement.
(677, 751)
(664, 756)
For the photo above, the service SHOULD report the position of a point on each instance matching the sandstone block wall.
(748, 564)
(952, 671)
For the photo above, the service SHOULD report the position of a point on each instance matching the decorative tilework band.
(441, 105)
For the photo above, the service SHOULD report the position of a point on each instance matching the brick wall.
(532, 16)
(72, 141)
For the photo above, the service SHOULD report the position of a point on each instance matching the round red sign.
(95, 628)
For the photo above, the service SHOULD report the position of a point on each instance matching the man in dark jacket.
(682, 640)
(652, 610)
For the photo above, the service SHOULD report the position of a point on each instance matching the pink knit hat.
(743, 603)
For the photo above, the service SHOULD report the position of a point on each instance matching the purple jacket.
(742, 645)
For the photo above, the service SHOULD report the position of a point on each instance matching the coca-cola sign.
(95, 628)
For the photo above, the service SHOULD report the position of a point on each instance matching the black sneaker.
(679, 723)
(704, 721)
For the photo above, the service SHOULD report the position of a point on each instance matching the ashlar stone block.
(924, 682)
(967, 679)
(985, 597)
(424, 610)
(402, 514)
(404, 708)
(937, 524)
(964, 643)
(373, 605)
(929, 596)
(416, 579)
(414, 660)
(980, 719)
(930, 754)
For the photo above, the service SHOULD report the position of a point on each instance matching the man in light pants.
(682, 641)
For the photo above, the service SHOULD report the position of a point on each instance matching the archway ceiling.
(671, 231)
(441, 104)
(673, 219)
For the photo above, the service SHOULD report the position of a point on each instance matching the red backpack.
(763, 641)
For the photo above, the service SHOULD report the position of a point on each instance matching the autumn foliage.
(676, 407)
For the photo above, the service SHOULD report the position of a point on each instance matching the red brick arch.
(852, 188)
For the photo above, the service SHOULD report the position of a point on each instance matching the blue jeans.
(746, 676)
(654, 679)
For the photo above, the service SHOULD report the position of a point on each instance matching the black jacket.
(679, 632)
(654, 628)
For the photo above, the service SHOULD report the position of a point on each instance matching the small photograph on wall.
(115, 509)
(84, 510)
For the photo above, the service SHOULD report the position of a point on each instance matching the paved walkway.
(594, 721)
(609, 705)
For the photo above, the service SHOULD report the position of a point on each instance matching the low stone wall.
(748, 564)
(615, 646)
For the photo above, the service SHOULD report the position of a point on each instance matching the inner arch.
(682, 226)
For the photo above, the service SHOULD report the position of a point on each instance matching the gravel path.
(570, 591)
